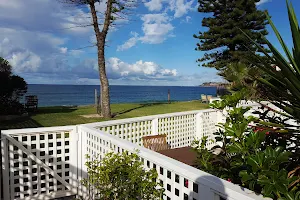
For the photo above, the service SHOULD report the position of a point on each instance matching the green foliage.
(230, 100)
(224, 35)
(283, 77)
(209, 162)
(248, 155)
(122, 176)
(264, 169)
(12, 88)
(259, 150)
(295, 195)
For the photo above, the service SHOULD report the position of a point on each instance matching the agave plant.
(283, 77)
(282, 80)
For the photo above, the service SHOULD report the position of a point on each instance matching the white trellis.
(46, 163)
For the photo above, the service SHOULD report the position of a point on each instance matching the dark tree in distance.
(12, 88)
(224, 41)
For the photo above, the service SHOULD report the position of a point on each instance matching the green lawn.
(59, 116)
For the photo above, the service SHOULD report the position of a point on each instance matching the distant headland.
(214, 84)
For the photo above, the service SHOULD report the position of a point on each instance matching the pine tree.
(224, 41)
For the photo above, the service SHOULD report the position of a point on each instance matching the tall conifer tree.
(224, 42)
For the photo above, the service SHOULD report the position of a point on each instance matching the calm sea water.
(58, 95)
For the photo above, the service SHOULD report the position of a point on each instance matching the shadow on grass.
(23, 122)
(55, 109)
(28, 122)
(138, 107)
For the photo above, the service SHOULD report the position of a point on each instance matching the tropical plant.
(282, 81)
(283, 76)
(121, 176)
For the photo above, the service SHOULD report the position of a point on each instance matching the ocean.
(67, 95)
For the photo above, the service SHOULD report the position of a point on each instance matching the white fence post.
(74, 152)
(5, 167)
(155, 126)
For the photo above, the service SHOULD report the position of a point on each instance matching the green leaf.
(268, 189)
(286, 50)
(253, 163)
(281, 188)
(245, 176)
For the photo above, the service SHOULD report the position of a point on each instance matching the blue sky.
(44, 43)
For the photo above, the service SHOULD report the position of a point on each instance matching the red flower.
(267, 133)
(229, 180)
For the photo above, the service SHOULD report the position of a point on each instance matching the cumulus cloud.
(21, 59)
(156, 29)
(139, 70)
(154, 5)
(119, 70)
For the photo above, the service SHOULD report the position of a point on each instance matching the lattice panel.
(27, 177)
(176, 185)
(208, 125)
(180, 130)
(132, 132)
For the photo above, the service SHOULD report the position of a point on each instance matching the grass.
(59, 116)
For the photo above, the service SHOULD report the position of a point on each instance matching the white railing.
(181, 128)
(39, 163)
(181, 181)
(45, 163)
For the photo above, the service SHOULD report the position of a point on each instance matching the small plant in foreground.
(121, 176)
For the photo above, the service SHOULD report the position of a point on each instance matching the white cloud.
(187, 19)
(21, 59)
(154, 5)
(181, 7)
(138, 70)
(63, 50)
(156, 28)
(25, 61)
(129, 43)
(262, 2)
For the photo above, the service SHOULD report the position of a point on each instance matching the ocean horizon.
(70, 95)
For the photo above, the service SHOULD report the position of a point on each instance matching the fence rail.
(45, 163)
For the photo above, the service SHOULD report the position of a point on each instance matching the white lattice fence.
(47, 163)
(38, 163)
(207, 126)
(180, 129)
(132, 130)
(179, 180)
